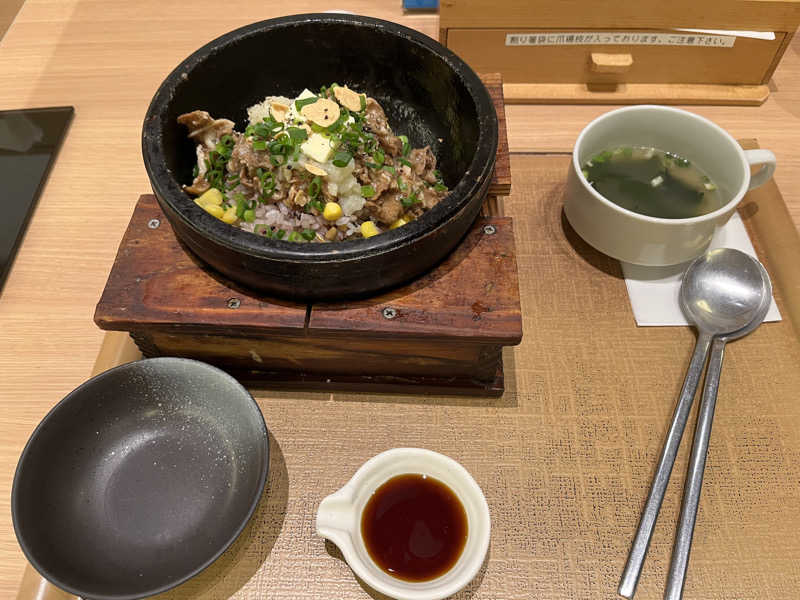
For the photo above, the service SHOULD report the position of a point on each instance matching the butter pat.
(318, 147)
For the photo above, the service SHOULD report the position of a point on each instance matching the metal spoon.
(747, 293)
(723, 293)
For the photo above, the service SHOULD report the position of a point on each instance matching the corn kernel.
(399, 223)
(368, 229)
(212, 196)
(230, 215)
(214, 210)
(332, 211)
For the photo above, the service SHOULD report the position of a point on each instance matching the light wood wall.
(8, 10)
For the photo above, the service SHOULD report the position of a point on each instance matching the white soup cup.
(653, 241)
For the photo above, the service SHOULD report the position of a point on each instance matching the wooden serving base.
(440, 334)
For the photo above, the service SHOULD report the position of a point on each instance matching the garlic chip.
(278, 111)
(323, 112)
(315, 170)
(347, 98)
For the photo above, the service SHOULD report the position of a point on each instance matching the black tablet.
(29, 142)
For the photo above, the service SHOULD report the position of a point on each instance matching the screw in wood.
(489, 229)
(153, 223)
(389, 313)
(234, 303)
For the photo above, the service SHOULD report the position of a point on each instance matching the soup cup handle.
(766, 159)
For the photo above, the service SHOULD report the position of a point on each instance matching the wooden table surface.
(106, 58)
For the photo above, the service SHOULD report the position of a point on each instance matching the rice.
(278, 178)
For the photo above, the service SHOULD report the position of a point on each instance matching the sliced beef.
(430, 197)
(205, 129)
(379, 125)
(422, 160)
(381, 180)
(387, 209)
(244, 156)
(199, 185)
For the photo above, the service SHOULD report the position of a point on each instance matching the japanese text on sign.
(576, 38)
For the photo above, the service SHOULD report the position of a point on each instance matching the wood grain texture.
(589, 442)
(501, 179)
(8, 11)
(472, 296)
(636, 93)
(446, 333)
(157, 281)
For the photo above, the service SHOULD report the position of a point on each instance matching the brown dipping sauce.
(414, 527)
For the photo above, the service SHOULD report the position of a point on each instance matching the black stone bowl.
(428, 93)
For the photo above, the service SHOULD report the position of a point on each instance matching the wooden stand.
(636, 93)
(443, 333)
(576, 52)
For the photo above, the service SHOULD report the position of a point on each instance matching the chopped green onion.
(259, 145)
(340, 159)
(241, 204)
(308, 234)
(363, 99)
(407, 202)
(602, 157)
(249, 215)
(337, 125)
(315, 204)
(351, 137)
(402, 185)
(440, 187)
(406, 145)
(367, 191)
(280, 233)
(405, 162)
(262, 229)
(299, 104)
(314, 188)
(279, 147)
(379, 157)
(294, 237)
(297, 134)
(195, 171)
(390, 169)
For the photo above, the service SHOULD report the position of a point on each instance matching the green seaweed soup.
(652, 182)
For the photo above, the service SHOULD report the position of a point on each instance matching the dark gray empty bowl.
(140, 478)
